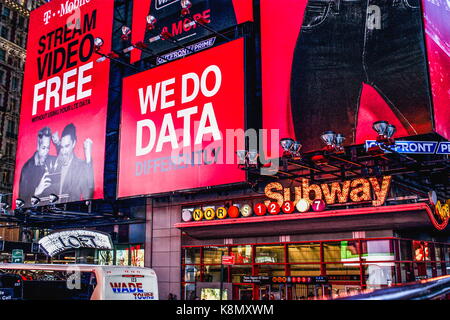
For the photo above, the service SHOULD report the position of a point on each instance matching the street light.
(35, 201)
(19, 203)
(53, 198)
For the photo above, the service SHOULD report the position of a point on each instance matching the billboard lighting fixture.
(151, 22)
(385, 132)
(247, 159)
(126, 32)
(35, 201)
(19, 203)
(53, 198)
(185, 6)
(334, 141)
(291, 148)
(98, 43)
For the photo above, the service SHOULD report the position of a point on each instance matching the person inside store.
(77, 176)
(34, 176)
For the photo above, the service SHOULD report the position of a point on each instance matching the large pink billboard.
(342, 65)
(59, 151)
(175, 120)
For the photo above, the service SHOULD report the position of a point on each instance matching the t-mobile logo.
(47, 16)
(374, 17)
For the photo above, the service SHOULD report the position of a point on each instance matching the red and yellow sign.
(357, 190)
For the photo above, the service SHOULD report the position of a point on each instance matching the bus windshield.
(47, 284)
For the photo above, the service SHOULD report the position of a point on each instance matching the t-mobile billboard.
(177, 120)
(437, 31)
(342, 65)
(65, 92)
(170, 17)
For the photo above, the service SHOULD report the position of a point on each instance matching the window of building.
(309, 252)
(21, 21)
(269, 254)
(2, 55)
(9, 149)
(192, 255)
(2, 102)
(4, 33)
(15, 83)
(11, 129)
(2, 77)
(6, 12)
(242, 254)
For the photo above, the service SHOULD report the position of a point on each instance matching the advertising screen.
(437, 32)
(65, 92)
(217, 14)
(342, 65)
(176, 121)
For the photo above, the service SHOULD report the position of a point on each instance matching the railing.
(434, 288)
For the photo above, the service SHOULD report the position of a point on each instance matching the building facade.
(13, 36)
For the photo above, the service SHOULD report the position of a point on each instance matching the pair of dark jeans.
(345, 43)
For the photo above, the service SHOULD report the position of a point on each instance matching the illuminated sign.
(284, 279)
(413, 147)
(443, 210)
(357, 190)
(308, 197)
(74, 239)
(63, 86)
(175, 121)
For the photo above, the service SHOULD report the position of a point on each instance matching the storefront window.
(105, 257)
(341, 251)
(437, 251)
(269, 254)
(213, 255)
(122, 258)
(305, 270)
(191, 273)
(242, 254)
(137, 256)
(309, 252)
(191, 255)
(406, 250)
(343, 269)
(271, 270)
(212, 274)
(189, 291)
(237, 273)
(377, 251)
(406, 271)
(379, 275)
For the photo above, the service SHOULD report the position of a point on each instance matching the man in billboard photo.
(344, 44)
(77, 176)
(34, 176)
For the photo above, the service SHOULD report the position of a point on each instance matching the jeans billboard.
(342, 65)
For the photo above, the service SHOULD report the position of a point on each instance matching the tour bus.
(76, 282)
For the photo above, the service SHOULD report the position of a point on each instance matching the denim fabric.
(342, 45)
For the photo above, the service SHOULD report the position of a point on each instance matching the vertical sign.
(64, 103)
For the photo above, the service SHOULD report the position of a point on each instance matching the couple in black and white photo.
(63, 174)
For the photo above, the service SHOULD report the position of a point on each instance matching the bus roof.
(110, 270)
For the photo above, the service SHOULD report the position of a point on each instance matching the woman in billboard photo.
(345, 44)
(64, 174)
